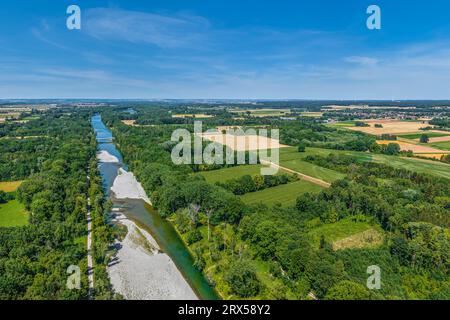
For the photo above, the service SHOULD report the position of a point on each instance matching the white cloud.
(180, 30)
(363, 61)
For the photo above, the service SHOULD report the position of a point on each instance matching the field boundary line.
(303, 176)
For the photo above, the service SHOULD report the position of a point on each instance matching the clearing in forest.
(13, 214)
(366, 239)
(347, 233)
(10, 186)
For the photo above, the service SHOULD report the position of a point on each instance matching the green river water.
(149, 219)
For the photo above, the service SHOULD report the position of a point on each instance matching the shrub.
(241, 277)
(194, 236)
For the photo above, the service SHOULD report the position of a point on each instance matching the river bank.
(151, 243)
(105, 157)
(126, 186)
(140, 270)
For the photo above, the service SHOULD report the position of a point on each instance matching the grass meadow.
(13, 214)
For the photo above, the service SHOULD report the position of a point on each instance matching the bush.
(5, 197)
(241, 277)
(348, 290)
(194, 236)
(424, 138)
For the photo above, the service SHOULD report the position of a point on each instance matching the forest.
(34, 258)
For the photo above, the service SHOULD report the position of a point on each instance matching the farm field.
(285, 194)
(223, 175)
(13, 214)
(243, 143)
(415, 148)
(262, 112)
(418, 165)
(437, 156)
(196, 116)
(445, 145)
(129, 122)
(348, 234)
(288, 154)
(10, 186)
(390, 127)
(312, 114)
(312, 170)
(439, 139)
(341, 124)
(430, 135)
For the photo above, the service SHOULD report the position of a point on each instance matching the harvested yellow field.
(368, 238)
(391, 127)
(196, 116)
(415, 148)
(312, 114)
(10, 186)
(439, 139)
(10, 115)
(222, 128)
(132, 123)
(129, 122)
(243, 143)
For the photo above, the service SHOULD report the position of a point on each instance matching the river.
(148, 218)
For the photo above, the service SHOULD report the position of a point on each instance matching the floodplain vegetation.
(43, 205)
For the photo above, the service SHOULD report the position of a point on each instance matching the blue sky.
(225, 49)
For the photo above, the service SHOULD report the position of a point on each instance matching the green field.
(13, 214)
(223, 175)
(310, 169)
(418, 165)
(445, 145)
(342, 124)
(340, 230)
(418, 135)
(285, 194)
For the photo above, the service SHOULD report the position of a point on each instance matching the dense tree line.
(443, 123)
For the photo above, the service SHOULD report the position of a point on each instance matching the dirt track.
(301, 175)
